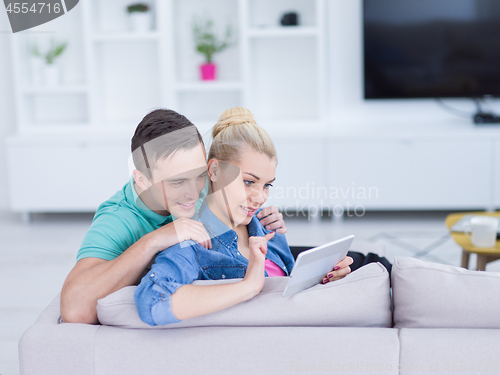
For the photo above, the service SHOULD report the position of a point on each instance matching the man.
(151, 213)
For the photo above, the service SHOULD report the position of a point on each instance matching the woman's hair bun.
(233, 116)
(236, 128)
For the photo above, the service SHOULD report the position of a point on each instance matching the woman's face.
(240, 189)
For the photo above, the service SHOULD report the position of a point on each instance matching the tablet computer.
(312, 265)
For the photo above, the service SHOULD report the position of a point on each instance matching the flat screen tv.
(431, 48)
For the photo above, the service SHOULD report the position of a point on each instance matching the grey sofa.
(445, 320)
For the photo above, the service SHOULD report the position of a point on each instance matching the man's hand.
(272, 219)
(182, 229)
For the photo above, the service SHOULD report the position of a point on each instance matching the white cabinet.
(314, 173)
(411, 174)
(65, 175)
(360, 173)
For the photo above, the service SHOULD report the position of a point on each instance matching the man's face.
(178, 181)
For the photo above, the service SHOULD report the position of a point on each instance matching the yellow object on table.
(484, 254)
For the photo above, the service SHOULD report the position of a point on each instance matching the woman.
(241, 168)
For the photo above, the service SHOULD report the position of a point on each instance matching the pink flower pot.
(207, 72)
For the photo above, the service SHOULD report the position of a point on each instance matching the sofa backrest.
(432, 295)
(361, 299)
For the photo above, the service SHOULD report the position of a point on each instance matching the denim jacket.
(188, 261)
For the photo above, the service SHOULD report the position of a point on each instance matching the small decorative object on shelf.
(51, 73)
(290, 19)
(207, 43)
(140, 17)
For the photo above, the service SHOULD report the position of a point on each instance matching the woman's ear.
(141, 180)
(213, 169)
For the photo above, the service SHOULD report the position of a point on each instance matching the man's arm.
(94, 278)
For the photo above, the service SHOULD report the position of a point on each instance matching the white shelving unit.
(112, 77)
(124, 74)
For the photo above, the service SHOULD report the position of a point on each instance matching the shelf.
(209, 86)
(56, 90)
(285, 31)
(46, 128)
(125, 37)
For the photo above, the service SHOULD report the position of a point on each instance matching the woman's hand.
(340, 271)
(255, 275)
(272, 219)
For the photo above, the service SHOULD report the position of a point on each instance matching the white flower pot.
(51, 75)
(140, 21)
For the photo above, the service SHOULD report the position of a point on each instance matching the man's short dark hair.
(159, 134)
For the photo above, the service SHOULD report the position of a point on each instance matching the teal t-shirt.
(120, 222)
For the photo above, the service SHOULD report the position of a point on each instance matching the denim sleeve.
(173, 267)
(285, 253)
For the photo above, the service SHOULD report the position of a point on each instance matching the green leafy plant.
(207, 43)
(137, 8)
(49, 56)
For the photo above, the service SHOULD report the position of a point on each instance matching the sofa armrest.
(52, 313)
(50, 347)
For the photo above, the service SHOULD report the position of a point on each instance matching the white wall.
(7, 114)
(348, 107)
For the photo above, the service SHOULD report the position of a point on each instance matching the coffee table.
(484, 255)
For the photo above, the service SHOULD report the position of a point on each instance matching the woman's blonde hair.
(235, 128)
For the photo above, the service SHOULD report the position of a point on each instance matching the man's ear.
(213, 169)
(141, 180)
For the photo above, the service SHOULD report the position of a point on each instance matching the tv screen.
(431, 48)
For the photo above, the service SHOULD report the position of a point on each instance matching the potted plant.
(140, 17)
(51, 73)
(207, 43)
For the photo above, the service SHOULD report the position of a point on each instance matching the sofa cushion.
(449, 351)
(248, 351)
(432, 295)
(361, 299)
